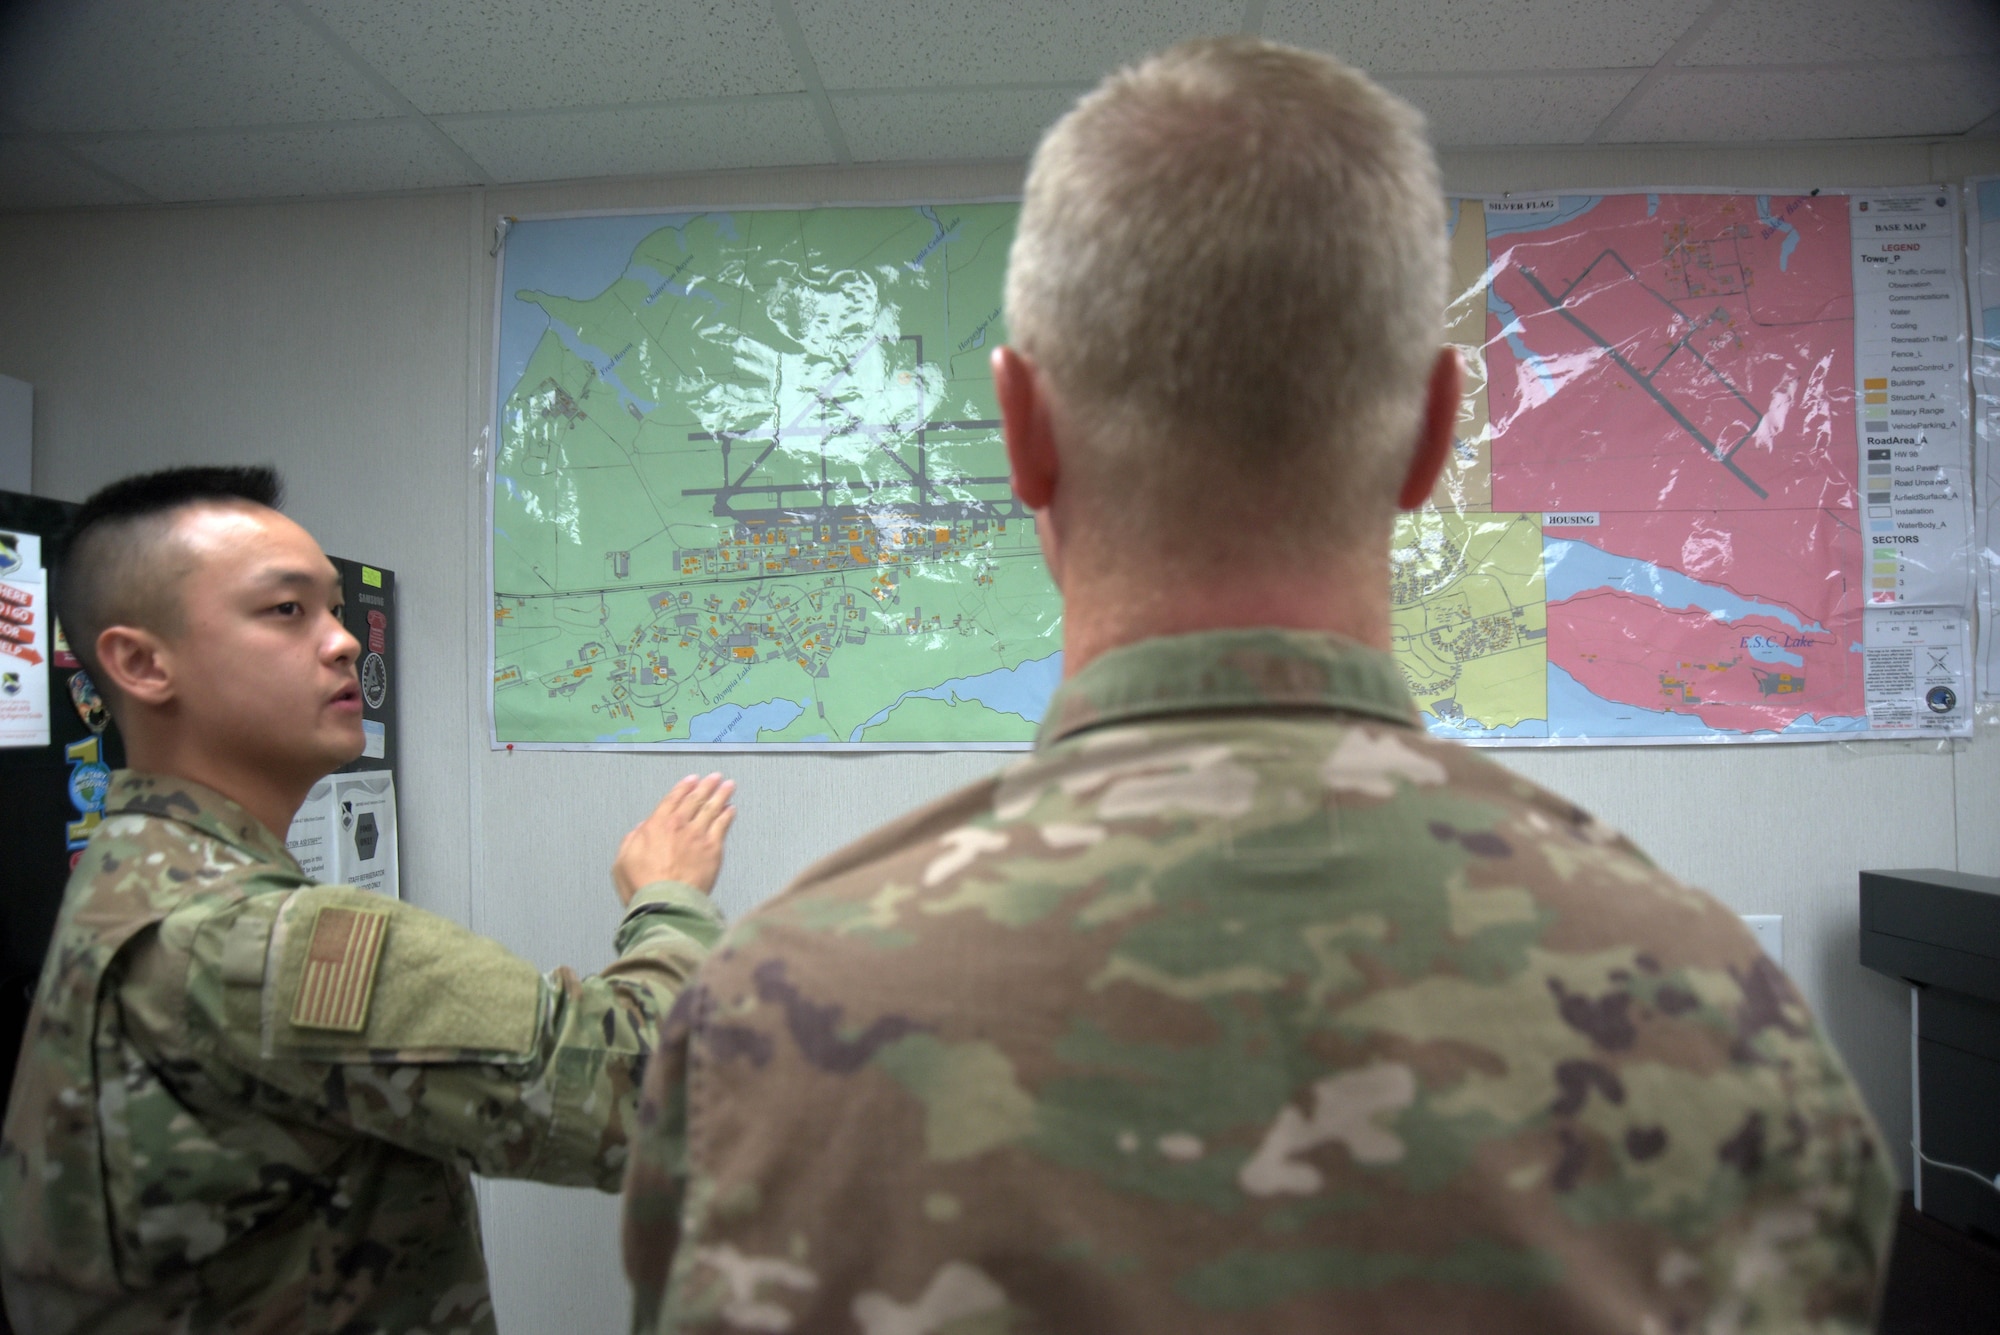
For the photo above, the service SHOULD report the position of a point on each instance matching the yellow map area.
(1469, 610)
(1469, 618)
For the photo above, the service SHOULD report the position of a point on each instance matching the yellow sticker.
(339, 976)
(371, 577)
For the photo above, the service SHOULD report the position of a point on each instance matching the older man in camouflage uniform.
(246, 1102)
(1243, 1004)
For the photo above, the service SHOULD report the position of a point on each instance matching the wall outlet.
(1769, 929)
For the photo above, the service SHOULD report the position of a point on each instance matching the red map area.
(1686, 354)
(1629, 648)
(1682, 368)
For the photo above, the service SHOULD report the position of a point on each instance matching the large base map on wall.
(750, 489)
(750, 486)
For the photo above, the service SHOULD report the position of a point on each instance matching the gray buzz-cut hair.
(1231, 265)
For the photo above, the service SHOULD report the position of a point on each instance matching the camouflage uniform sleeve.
(400, 1024)
(657, 1174)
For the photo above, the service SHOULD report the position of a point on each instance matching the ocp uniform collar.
(1221, 670)
(170, 797)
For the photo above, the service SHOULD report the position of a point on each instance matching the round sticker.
(1941, 699)
(89, 704)
(88, 784)
(374, 680)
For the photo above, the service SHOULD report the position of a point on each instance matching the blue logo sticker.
(88, 785)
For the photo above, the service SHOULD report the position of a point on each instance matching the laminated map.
(749, 488)
(1663, 433)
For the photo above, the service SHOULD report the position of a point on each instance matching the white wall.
(349, 343)
(17, 418)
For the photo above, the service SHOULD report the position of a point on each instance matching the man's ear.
(1434, 435)
(138, 663)
(1026, 426)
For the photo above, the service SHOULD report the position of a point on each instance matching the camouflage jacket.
(250, 1103)
(1243, 1004)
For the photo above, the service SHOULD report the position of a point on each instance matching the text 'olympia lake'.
(750, 486)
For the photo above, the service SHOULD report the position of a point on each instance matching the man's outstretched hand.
(680, 841)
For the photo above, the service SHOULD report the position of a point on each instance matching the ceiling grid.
(137, 101)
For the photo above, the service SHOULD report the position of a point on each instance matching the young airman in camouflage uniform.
(1243, 1004)
(246, 1102)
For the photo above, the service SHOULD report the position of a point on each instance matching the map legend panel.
(1910, 364)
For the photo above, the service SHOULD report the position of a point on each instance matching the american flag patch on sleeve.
(340, 969)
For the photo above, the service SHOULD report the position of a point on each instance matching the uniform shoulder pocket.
(356, 977)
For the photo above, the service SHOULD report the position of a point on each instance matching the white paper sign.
(1918, 671)
(311, 838)
(24, 641)
(364, 821)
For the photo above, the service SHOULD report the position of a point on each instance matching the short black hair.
(109, 547)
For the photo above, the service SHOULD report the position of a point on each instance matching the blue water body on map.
(943, 236)
(1024, 690)
(1652, 204)
(1584, 713)
(1806, 723)
(1568, 209)
(1767, 650)
(1451, 218)
(1570, 568)
(1512, 331)
(744, 723)
(659, 285)
(1764, 216)
(566, 257)
(604, 363)
(1466, 730)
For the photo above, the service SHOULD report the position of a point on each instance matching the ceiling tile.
(641, 141)
(35, 174)
(1791, 32)
(97, 65)
(939, 126)
(1556, 109)
(258, 164)
(530, 55)
(1415, 36)
(1724, 107)
(923, 43)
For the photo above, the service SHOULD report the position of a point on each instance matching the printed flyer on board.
(24, 641)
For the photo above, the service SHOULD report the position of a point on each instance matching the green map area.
(753, 489)
(750, 489)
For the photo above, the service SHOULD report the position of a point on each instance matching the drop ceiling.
(147, 101)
